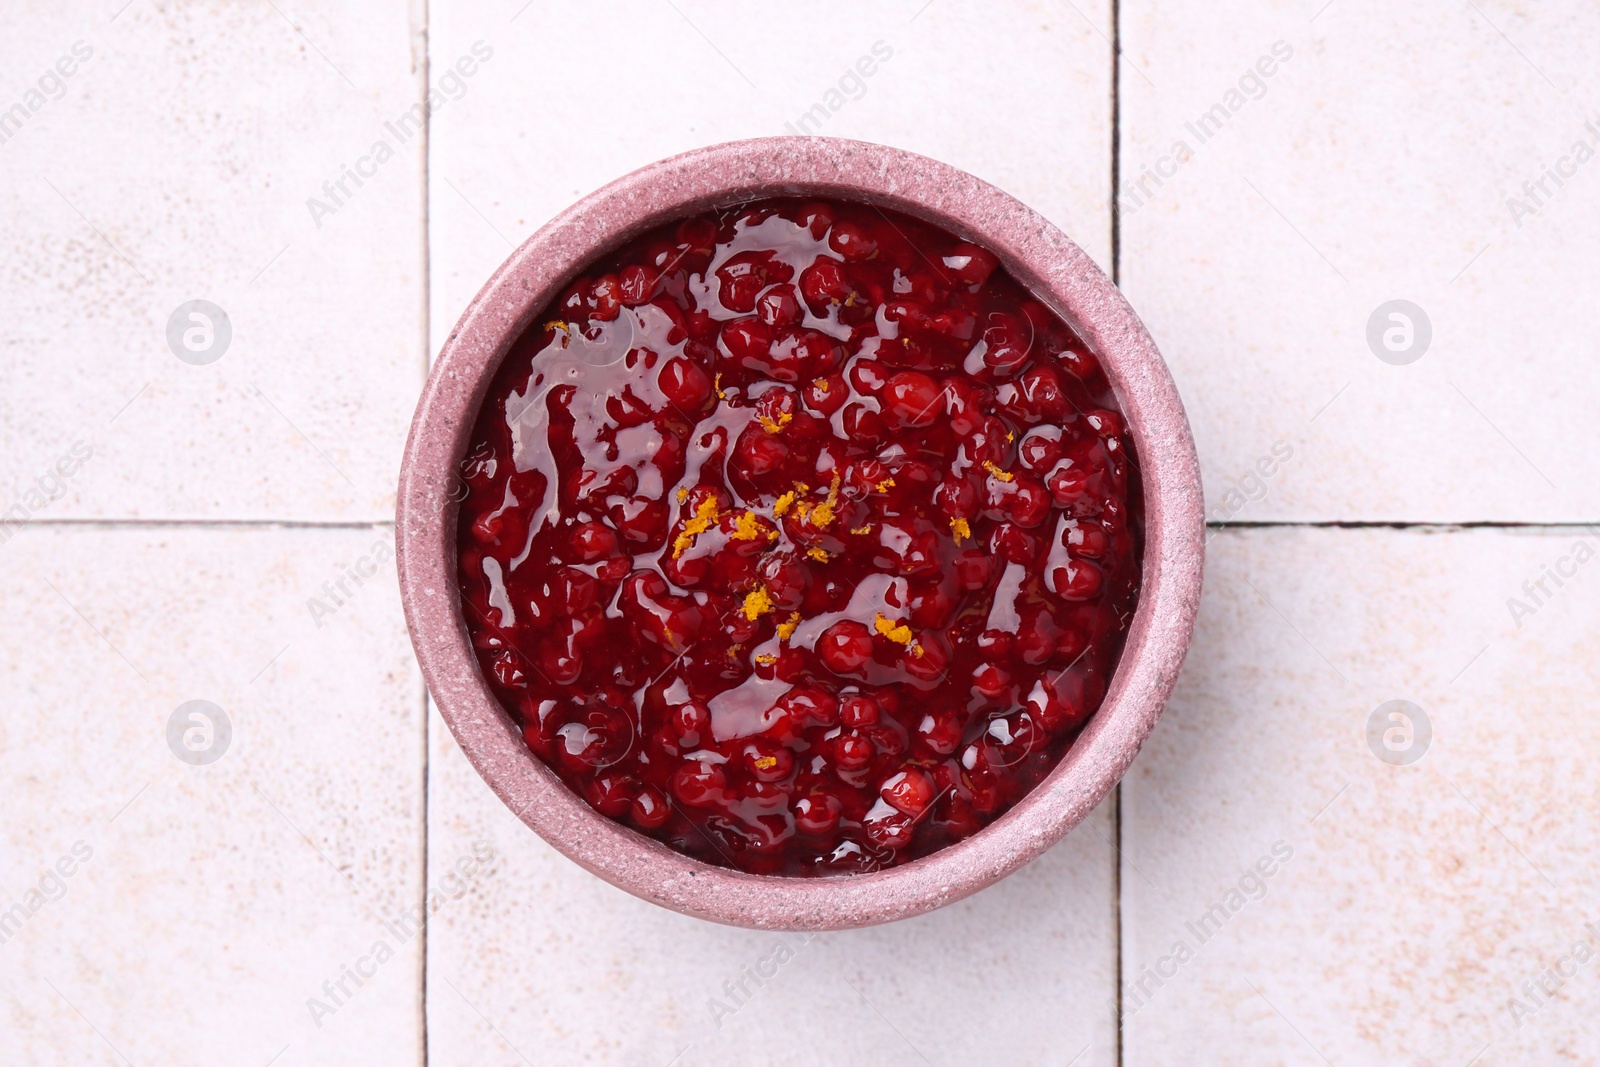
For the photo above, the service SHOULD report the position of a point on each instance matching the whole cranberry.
(606, 297)
(580, 746)
(1044, 394)
(1049, 706)
(1070, 488)
(691, 722)
(964, 403)
(909, 791)
(931, 607)
(906, 315)
(1105, 423)
(638, 284)
(1036, 638)
(852, 241)
(888, 737)
(746, 341)
(826, 395)
(991, 680)
(973, 569)
(1007, 339)
(1085, 538)
(956, 497)
(1029, 503)
(507, 670)
(649, 807)
(592, 541)
(1013, 544)
(970, 264)
(699, 784)
(811, 705)
(1080, 364)
(888, 828)
(845, 647)
(569, 591)
(929, 659)
(1074, 580)
(1041, 449)
(912, 399)
(799, 354)
(610, 794)
(862, 425)
(852, 751)
(779, 306)
(858, 710)
(994, 645)
(824, 285)
(939, 732)
(684, 385)
(758, 453)
(642, 522)
(785, 578)
(817, 813)
(867, 376)
(743, 276)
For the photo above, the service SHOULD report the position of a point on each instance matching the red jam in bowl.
(799, 537)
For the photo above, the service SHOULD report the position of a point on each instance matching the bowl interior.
(1039, 257)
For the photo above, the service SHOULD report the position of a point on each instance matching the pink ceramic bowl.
(1041, 258)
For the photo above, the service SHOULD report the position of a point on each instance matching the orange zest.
(898, 632)
(757, 603)
(998, 471)
(705, 516)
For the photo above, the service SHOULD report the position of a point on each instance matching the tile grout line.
(1116, 279)
(426, 328)
(1116, 139)
(1400, 524)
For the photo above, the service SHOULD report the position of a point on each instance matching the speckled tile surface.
(1322, 160)
(1334, 902)
(179, 161)
(207, 897)
(1019, 96)
(1406, 899)
(592, 975)
(540, 960)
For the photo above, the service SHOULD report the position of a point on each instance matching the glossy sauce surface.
(800, 537)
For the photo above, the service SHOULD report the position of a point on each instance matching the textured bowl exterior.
(1044, 260)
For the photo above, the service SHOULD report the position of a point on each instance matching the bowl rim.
(1045, 261)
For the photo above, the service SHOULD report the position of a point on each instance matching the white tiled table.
(209, 906)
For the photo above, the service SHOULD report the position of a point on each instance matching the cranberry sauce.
(800, 537)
